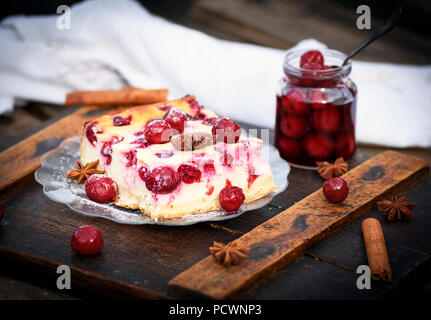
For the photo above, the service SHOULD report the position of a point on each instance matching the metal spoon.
(389, 24)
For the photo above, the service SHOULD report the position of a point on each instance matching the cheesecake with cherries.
(177, 158)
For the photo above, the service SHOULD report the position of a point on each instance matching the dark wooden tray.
(152, 261)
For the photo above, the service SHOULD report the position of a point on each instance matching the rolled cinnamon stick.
(377, 253)
(125, 96)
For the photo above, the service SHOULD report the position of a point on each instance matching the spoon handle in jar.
(387, 26)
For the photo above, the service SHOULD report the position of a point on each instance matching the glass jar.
(316, 110)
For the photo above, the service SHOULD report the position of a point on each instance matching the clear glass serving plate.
(54, 166)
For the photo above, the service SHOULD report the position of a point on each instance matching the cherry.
(162, 179)
(318, 99)
(345, 146)
(295, 102)
(318, 146)
(226, 130)
(1, 213)
(100, 189)
(294, 126)
(312, 56)
(290, 147)
(142, 173)
(335, 189)
(120, 121)
(231, 198)
(311, 66)
(176, 118)
(189, 174)
(327, 120)
(87, 240)
(158, 131)
(106, 151)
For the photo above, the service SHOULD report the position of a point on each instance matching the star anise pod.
(396, 208)
(229, 254)
(83, 172)
(329, 170)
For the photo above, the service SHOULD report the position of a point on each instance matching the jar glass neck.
(333, 62)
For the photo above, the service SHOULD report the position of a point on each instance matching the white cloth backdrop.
(112, 43)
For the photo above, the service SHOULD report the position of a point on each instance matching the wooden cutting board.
(159, 262)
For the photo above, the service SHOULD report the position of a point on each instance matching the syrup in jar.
(316, 108)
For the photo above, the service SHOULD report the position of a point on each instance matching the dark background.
(416, 17)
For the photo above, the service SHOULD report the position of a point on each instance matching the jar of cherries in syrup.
(316, 108)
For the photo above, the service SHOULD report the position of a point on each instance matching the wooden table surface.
(327, 270)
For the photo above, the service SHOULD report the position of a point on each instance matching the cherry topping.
(162, 179)
(335, 189)
(194, 105)
(142, 173)
(87, 240)
(189, 174)
(327, 120)
(165, 154)
(209, 191)
(226, 130)
(131, 158)
(100, 189)
(318, 146)
(106, 151)
(165, 108)
(226, 159)
(143, 143)
(295, 102)
(294, 126)
(116, 139)
(312, 56)
(231, 198)
(209, 169)
(210, 121)
(90, 132)
(158, 131)
(139, 133)
(120, 121)
(1, 213)
(176, 118)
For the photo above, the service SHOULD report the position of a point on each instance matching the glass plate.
(54, 166)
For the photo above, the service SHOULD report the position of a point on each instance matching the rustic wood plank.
(23, 158)
(281, 24)
(136, 261)
(281, 239)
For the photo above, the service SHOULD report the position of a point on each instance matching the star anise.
(83, 172)
(229, 254)
(329, 170)
(396, 208)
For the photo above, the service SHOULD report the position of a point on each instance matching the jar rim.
(339, 71)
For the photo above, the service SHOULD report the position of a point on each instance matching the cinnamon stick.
(125, 96)
(377, 253)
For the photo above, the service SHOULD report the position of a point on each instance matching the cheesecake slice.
(175, 169)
